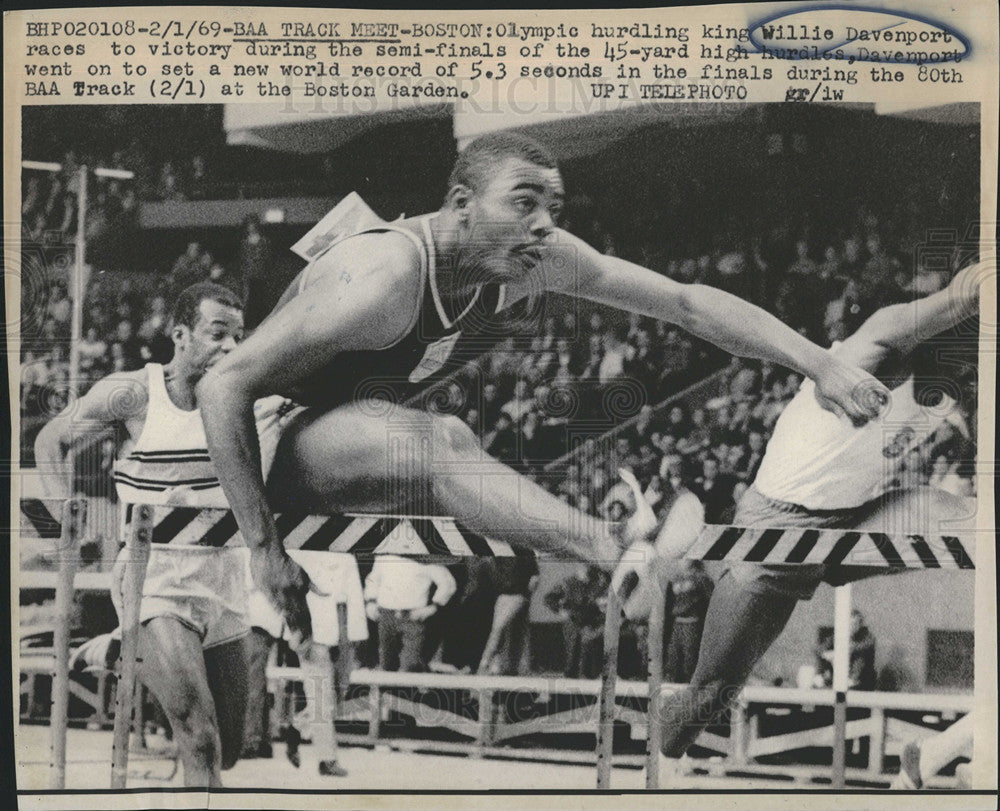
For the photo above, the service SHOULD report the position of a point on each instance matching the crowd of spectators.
(568, 401)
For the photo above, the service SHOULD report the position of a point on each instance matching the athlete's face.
(216, 332)
(508, 220)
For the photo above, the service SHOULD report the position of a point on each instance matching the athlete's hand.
(421, 614)
(850, 392)
(286, 585)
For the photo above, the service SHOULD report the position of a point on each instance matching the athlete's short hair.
(477, 162)
(186, 308)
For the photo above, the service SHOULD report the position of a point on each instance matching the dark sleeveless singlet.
(435, 346)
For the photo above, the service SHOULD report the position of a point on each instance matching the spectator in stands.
(596, 354)
(529, 434)
(401, 595)
(597, 486)
(579, 602)
(35, 376)
(696, 438)
(218, 274)
(491, 404)
(116, 357)
(460, 629)
(678, 424)
(747, 469)
(187, 269)
(254, 269)
(501, 442)
(861, 673)
(505, 651)
(156, 320)
(474, 422)
(93, 352)
(618, 503)
(60, 308)
(134, 351)
(690, 589)
(714, 490)
(197, 182)
(520, 403)
(612, 363)
(32, 201)
(168, 188)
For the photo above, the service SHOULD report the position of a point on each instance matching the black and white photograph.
(421, 447)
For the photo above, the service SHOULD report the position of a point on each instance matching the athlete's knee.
(202, 743)
(198, 734)
(453, 437)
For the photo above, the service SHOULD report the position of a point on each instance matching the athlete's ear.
(179, 333)
(459, 199)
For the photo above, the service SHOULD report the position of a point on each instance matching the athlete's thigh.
(342, 459)
(172, 665)
(920, 510)
(228, 670)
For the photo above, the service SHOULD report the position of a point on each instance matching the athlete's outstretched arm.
(364, 300)
(714, 315)
(900, 327)
(110, 402)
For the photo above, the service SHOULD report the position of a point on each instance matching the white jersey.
(169, 463)
(822, 462)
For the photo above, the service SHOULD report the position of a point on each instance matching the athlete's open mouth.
(532, 251)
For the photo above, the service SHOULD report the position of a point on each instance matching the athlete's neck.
(180, 385)
(444, 230)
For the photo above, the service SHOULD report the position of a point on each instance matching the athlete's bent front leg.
(740, 625)
(372, 457)
(228, 679)
(172, 665)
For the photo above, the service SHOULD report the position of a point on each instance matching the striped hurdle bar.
(437, 538)
(355, 534)
(444, 537)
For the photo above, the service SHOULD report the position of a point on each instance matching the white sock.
(670, 769)
(939, 750)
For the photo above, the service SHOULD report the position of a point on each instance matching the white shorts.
(203, 588)
(335, 574)
(272, 415)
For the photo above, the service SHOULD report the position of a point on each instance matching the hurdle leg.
(841, 677)
(340, 672)
(606, 700)
(134, 577)
(654, 721)
(68, 557)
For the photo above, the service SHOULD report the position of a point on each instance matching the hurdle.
(138, 546)
(443, 539)
(74, 517)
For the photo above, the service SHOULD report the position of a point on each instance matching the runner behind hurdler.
(194, 601)
(389, 309)
(820, 471)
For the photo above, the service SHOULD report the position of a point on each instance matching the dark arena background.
(820, 215)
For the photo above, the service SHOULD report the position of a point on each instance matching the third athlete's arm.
(714, 315)
(900, 327)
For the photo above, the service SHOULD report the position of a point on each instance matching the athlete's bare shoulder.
(121, 396)
(386, 256)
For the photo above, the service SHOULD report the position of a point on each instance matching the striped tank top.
(170, 462)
